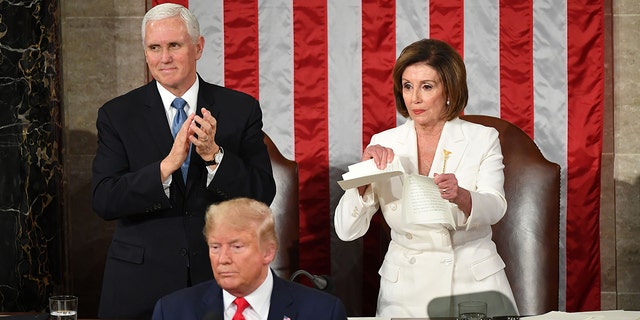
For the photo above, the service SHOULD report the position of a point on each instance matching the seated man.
(242, 243)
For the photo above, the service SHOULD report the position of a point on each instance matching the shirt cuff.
(212, 172)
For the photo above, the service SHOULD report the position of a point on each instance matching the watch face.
(218, 157)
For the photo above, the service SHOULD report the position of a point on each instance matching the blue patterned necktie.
(178, 120)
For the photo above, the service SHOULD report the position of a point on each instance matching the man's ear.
(269, 253)
(199, 47)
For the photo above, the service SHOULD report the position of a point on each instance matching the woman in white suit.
(429, 268)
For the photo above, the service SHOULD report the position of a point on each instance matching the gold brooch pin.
(446, 156)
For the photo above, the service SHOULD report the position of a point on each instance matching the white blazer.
(429, 268)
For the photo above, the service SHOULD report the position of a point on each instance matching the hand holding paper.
(366, 172)
(422, 203)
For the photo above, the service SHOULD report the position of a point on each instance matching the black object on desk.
(40, 316)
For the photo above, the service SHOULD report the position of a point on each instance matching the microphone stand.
(319, 282)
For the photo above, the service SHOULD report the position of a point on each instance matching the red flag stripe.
(446, 18)
(311, 131)
(585, 61)
(180, 2)
(516, 63)
(241, 68)
(378, 58)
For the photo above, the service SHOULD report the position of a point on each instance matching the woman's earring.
(448, 102)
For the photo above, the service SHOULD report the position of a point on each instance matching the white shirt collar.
(260, 300)
(191, 97)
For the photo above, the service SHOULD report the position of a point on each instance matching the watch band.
(216, 158)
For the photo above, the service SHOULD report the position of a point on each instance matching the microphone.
(319, 282)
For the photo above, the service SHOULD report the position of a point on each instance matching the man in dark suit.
(165, 152)
(242, 241)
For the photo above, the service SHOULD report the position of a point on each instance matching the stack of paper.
(423, 204)
(593, 315)
(366, 172)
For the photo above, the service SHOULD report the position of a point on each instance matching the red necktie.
(242, 304)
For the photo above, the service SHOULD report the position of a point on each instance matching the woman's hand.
(380, 155)
(450, 190)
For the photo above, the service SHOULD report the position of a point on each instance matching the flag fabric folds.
(322, 72)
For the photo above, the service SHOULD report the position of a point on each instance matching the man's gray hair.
(168, 10)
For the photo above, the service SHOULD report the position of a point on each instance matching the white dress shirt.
(191, 97)
(259, 301)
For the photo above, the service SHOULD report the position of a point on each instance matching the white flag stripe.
(550, 100)
(412, 22)
(276, 72)
(210, 17)
(345, 87)
(550, 78)
(482, 56)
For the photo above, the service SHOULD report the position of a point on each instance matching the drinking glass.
(64, 307)
(472, 310)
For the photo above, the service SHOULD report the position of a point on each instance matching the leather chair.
(285, 210)
(528, 236)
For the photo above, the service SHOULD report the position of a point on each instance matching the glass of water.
(472, 310)
(63, 307)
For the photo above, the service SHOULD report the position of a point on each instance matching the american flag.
(322, 72)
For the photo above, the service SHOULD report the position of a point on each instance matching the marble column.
(30, 166)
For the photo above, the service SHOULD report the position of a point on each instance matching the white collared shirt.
(259, 301)
(191, 97)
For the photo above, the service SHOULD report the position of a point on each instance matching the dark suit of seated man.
(242, 243)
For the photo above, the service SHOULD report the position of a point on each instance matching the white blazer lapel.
(407, 147)
(452, 140)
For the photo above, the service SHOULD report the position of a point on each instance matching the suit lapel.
(407, 145)
(161, 134)
(281, 301)
(205, 100)
(212, 302)
(452, 140)
(154, 112)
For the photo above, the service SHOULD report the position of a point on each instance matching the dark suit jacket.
(158, 246)
(288, 299)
